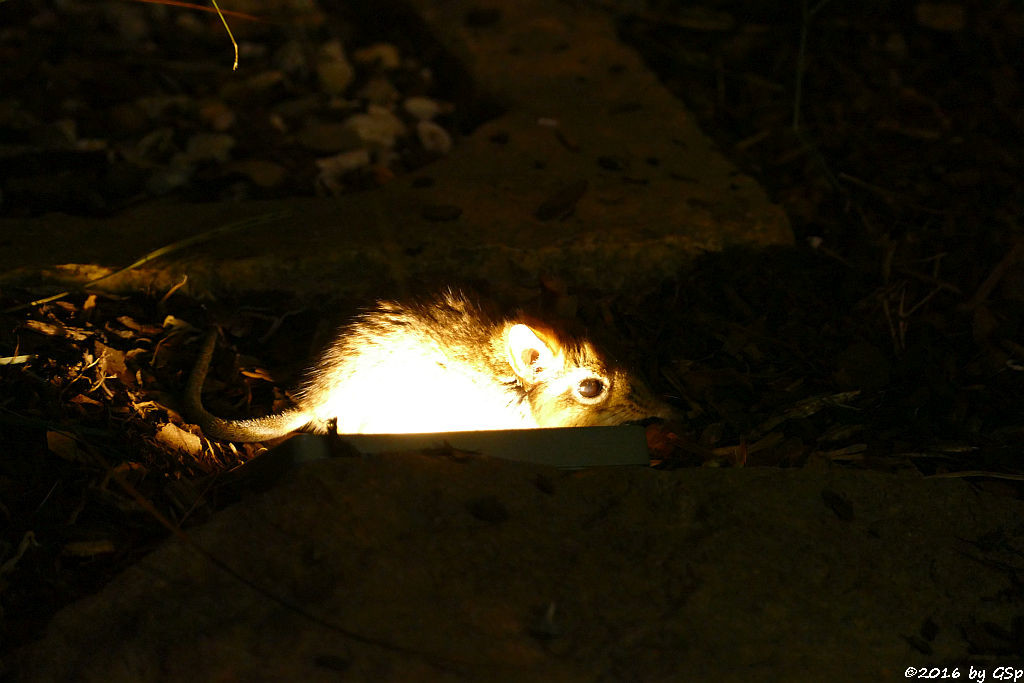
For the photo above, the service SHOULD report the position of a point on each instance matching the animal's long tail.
(245, 430)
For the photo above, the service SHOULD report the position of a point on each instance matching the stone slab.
(409, 567)
(593, 173)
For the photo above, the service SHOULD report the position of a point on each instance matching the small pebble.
(328, 137)
(377, 126)
(291, 58)
(345, 162)
(168, 179)
(384, 54)
(332, 51)
(433, 137)
(422, 108)
(217, 115)
(333, 169)
(265, 80)
(379, 90)
(209, 147)
(333, 69)
(335, 77)
(261, 172)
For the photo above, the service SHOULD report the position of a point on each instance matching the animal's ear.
(530, 355)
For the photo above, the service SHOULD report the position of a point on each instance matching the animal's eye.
(591, 388)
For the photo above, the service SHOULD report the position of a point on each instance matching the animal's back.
(419, 367)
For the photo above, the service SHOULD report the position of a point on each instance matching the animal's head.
(572, 384)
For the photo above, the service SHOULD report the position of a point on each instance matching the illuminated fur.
(445, 366)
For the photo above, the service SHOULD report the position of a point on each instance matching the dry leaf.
(111, 362)
(63, 446)
(82, 399)
(50, 330)
(121, 334)
(173, 323)
(141, 328)
(176, 438)
(257, 373)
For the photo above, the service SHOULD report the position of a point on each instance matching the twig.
(807, 14)
(172, 290)
(986, 287)
(931, 280)
(976, 473)
(228, 29)
(203, 8)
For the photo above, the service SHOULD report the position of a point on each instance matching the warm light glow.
(406, 391)
(448, 368)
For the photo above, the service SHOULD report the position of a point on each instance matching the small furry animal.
(442, 366)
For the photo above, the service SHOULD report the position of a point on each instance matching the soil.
(890, 338)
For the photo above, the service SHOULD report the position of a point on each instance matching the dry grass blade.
(16, 360)
(966, 474)
(164, 251)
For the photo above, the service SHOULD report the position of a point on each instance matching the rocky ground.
(889, 338)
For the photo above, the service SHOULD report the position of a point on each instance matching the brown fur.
(444, 366)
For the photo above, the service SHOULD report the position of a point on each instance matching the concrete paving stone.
(413, 567)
